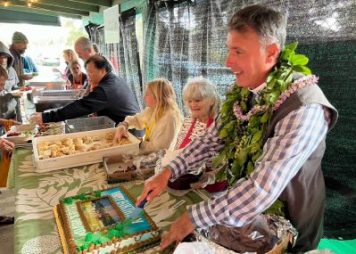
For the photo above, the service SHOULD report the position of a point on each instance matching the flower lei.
(243, 130)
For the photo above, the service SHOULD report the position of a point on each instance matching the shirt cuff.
(201, 215)
(177, 167)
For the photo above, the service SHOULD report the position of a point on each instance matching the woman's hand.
(36, 118)
(14, 122)
(6, 145)
(121, 131)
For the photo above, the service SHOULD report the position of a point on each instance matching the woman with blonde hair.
(69, 57)
(77, 78)
(161, 118)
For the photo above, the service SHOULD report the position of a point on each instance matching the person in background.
(29, 66)
(96, 48)
(69, 57)
(7, 111)
(77, 79)
(85, 49)
(111, 97)
(17, 49)
(203, 103)
(161, 118)
(6, 60)
(7, 101)
(292, 140)
(6, 147)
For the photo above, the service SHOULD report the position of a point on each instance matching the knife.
(136, 213)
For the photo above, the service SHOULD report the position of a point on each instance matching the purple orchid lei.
(294, 87)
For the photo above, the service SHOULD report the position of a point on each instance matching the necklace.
(78, 82)
(243, 128)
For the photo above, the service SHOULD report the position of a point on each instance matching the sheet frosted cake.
(97, 222)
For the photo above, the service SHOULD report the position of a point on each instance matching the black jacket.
(112, 98)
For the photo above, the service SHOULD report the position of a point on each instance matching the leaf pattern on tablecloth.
(38, 193)
(26, 165)
(37, 203)
(42, 244)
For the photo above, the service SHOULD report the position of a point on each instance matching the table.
(37, 194)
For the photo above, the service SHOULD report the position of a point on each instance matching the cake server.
(137, 211)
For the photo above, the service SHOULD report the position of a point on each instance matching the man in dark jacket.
(109, 97)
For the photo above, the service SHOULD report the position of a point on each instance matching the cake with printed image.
(97, 222)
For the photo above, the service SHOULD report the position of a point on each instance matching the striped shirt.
(296, 136)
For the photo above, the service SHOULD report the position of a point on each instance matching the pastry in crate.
(69, 146)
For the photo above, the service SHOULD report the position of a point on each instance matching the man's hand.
(180, 228)
(36, 118)
(27, 76)
(6, 145)
(155, 185)
(14, 122)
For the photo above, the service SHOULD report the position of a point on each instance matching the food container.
(88, 124)
(121, 168)
(71, 93)
(82, 158)
(48, 85)
(20, 134)
(47, 129)
(43, 103)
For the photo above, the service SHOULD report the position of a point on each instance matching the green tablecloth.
(38, 193)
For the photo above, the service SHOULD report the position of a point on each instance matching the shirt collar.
(258, 89)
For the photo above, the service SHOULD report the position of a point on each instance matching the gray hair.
(84, 43)
(200, 88)
(269, 24)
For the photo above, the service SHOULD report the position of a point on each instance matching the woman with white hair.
(202, 101)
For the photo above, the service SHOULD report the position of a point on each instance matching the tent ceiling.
(26, 11)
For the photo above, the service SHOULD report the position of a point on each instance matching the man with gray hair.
(273, 133)
(85, 49)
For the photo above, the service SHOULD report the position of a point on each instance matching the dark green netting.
(335, 63)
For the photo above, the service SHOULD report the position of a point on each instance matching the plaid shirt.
(296, 136)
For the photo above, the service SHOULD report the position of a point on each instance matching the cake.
(97, 222)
